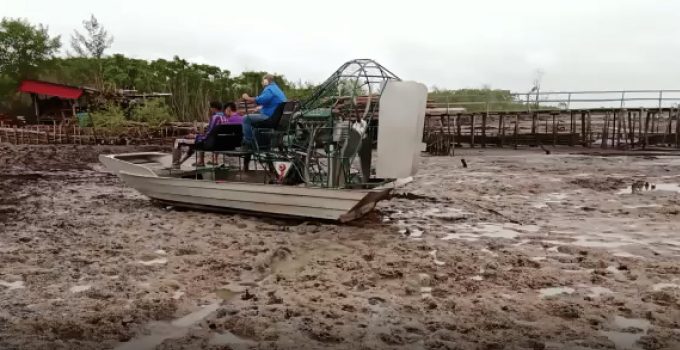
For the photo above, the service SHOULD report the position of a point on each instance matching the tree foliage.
(94, 42)
(477, 100)
(25, 49)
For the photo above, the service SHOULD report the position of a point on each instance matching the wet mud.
(520, 250)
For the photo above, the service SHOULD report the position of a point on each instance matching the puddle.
(196, 316)
(446, 214)
(79, 289)
(584, 242)
(159, 261)
(550, 292)
(289, 263)
(487, 251)
(434, 257)
(660, 286)
(160, 252)
(496, 231)
(641, 206)
(227, 293)
(659, 187)
(416, 233)
(12, 285)
(178, 294)
(231, 340)
(596, 292)
(625, 340)
(627, 255)
(477, 278)
(639, 323)
(550, 198)
(460, 236)
(668, 187)
(160, 331)
(538, 258)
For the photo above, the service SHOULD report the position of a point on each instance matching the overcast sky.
(577, 44)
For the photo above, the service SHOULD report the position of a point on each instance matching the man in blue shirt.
(268, 100)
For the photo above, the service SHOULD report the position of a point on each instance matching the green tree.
(25, 48)
(94, 42)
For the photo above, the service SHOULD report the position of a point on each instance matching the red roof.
(50, 89)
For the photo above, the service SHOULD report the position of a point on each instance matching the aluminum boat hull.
(147, 173)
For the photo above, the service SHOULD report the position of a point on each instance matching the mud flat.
(520, 250)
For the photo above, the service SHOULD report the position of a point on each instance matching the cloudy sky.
(576, 44)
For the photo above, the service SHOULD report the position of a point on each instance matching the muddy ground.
(520, 250)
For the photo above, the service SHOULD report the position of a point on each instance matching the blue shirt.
(270, 98)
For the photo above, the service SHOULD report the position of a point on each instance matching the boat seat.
(269, 133)
(224, 137)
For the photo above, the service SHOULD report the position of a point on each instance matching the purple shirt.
(235, 118)
(217, 119)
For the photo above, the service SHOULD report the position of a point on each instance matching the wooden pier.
(617, 128)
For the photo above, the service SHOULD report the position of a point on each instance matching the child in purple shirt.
(231, 113)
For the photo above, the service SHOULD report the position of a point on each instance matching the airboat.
(332, 156)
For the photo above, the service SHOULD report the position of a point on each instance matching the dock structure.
(543, 125)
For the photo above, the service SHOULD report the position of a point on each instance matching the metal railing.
(551, 100)
(613, 98)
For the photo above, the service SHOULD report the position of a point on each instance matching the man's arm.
(265, 97)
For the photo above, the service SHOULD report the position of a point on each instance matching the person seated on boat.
(217, 117)
(231, 112)
(267, 101)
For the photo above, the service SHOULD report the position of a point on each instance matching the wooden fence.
(73, 134)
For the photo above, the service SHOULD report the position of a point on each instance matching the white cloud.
(580, 44)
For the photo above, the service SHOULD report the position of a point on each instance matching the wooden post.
(572, 128)
(484, 117)
(472, 130)
(613, 129)
(677, 128)
(501, 130)
(449, 137)
(632, 128)
(646, 132)
(605, 129)
(554, 130)
(589, 127)
(640, 127)
(459, 132)
(533, 123)
(622, 122)
(583, 128)
(516, 130)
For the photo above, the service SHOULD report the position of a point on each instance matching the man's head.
(215, 106)
(267, 79)
(229, 108)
